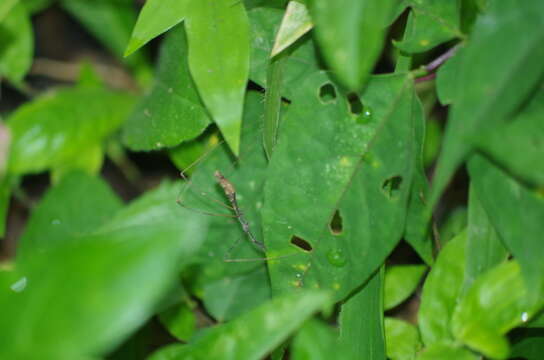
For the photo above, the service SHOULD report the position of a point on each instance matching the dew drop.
(337, 257)
(55, 222)
(298, 275)
(19, 285)
(366, 115)
(524, 317)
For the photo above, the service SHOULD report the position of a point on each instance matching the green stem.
(272, 102)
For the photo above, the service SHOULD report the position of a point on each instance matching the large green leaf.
(519, 144)
(402, 339)
(500, 66)
(497, 302)
(351, 34)
(446, 79)
(156, 17)
(218, 36)
(361, 322)
(400, 282)
(433, 22)
(55, 128)
(74, 207)
(441, 291)
(172, 112)
(295, 23)
(484, 247)
(317, 341)
(16, 42)
(82, 298)
(516, 213)
(327, 160)
(254, 334)
(446, 351)
(300, 62)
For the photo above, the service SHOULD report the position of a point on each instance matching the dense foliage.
(340, 124)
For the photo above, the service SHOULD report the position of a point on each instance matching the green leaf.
(402, 339)
(180, 321)
(56, 128)
(156, 17)
(446, 351)
(232, 296)
(218, 34)
(16, 42)
(296, 67)
(328, 160)
(497, 302)
(433, 23)
(518, 145)
(5, 195)
(254, 334)
(86, 301)
(317, 341)
(454, 224)
(484, 247)
(88, 160)
(172, 112)
(6, 7)
(76, 206)
(350, 57)
(361, 322)
(516, 213)
(295, 23)
(437, 300)
(446, 78)
(528, 344)
(505, 47)
(35, 6)
(400, 282)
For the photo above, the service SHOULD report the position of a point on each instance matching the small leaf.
(16, 42)
(496, 303)
(400, 282)
(156, 17)
(179, 320)
(402, 339)
(446, 351)
(441, 291)
(218, 37)
(361, 321)
(254, 334)
(317, 341)
(172, 112)
(516, 213)
(295, 23)
(351, 34)
(505, 46)
(55, 128)
(446, 79)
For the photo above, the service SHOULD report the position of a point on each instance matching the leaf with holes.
(329, 160)
(505, 47)
(172, 112)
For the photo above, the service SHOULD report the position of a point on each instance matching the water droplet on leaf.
(336, 257)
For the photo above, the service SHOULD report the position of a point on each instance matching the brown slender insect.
(230, 192)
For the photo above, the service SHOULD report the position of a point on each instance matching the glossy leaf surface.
(400, 282)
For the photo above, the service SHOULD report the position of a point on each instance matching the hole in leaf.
(301, 243)
(336, 223)
(327, 93)
(391, 186)
(355, 104)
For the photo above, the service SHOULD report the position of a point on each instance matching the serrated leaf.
(518, 145)
(254, 334)
(232, 296)
(172, 112)
(351, 58)
(433, 23)
(497, 302)
(505, 46)
(402, 339)
(295, 23)
(156, 17)
(74, 207)
(361, 322)
(218, 36)
(300, 62)
(516, 213)
(400, 282)
(55, 128)
(484, 247)
(328, 159)
(99, 303)
(441, 291)
(16, 42)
